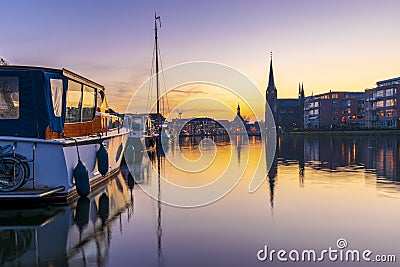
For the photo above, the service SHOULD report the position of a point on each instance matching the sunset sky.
(328, 45)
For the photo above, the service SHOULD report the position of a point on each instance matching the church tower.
(271, 94)
(301, 106)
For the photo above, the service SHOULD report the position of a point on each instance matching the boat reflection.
(138, 170)
(74, 235)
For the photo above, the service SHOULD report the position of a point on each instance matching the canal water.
(322, 193)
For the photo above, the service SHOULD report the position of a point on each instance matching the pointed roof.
(271, 81)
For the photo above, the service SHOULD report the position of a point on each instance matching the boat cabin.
(51, 103)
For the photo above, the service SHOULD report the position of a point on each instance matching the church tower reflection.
(272, 173)
(239, 143)
(271, 181)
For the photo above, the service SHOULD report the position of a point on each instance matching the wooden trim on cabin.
(97, 125)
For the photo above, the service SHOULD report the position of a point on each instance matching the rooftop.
(388, 82)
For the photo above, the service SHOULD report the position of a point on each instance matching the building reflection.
(74, 235)
(378, 155)
(272, 173)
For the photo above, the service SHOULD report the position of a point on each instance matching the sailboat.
(162, 138)
(147, 129)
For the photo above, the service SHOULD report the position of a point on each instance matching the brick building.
(334, 109)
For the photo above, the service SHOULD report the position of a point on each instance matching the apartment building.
(381, 104)
(334, 109)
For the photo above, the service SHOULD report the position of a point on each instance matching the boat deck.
(28, 193)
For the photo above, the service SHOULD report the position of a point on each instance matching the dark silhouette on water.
(81, 218)
(159, 222)
(271, 182)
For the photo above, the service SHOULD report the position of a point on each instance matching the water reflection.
(159, 222)
(230, 231)
(74, 235)
(379, 155)
(271, 181)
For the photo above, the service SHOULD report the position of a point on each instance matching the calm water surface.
(319, 189)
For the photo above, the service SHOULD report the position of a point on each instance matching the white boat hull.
(52, 162)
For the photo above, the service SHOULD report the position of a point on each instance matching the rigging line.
(165, 86)
(150, 91)
(161, 98)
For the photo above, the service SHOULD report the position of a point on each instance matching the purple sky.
(329, 45)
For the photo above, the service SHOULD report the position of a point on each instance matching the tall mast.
(157, 85)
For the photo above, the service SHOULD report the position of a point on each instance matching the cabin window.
(74, 102)
(100, 96)
(56, 95)
(9, 98)
(88, 103)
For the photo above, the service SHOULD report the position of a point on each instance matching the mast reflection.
(159, 223)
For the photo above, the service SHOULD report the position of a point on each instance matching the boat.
(58, 138)
(142, 136)
(148, 132)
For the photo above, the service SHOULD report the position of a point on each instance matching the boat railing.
(16, 169)
(32, 176)
(110, 122)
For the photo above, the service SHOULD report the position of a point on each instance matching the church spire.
(271, 95)
(271, 81)
(301, 91)
(238, 110)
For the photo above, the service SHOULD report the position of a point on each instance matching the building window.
(379, 93)
(390, 113)
(378, 104)
(346, 103)
(56, 86)
(390, 91)
(346, 111)
(9, 97)
(390, 102)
